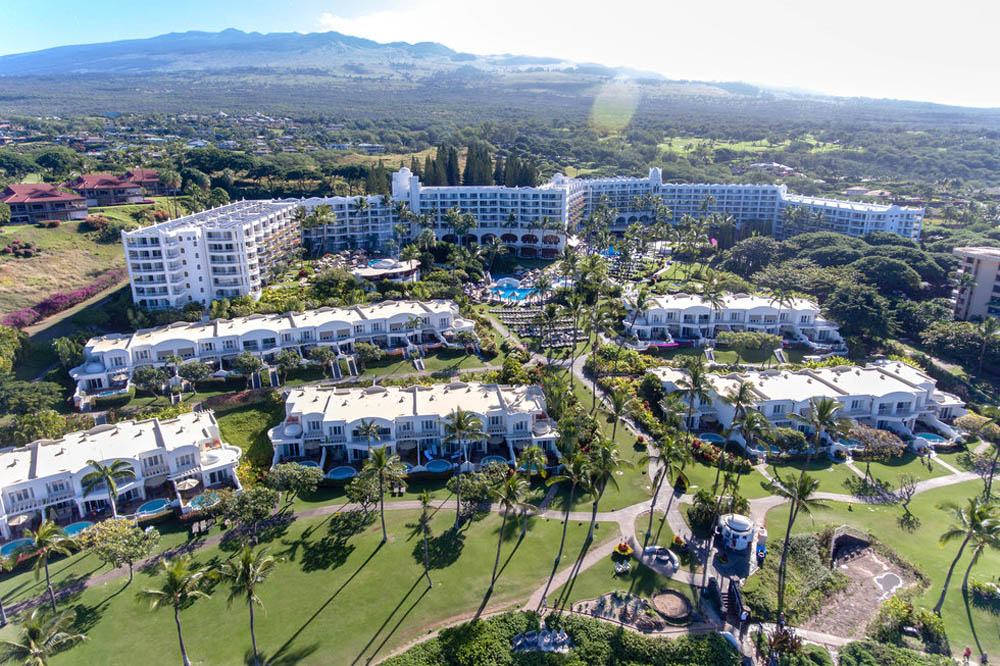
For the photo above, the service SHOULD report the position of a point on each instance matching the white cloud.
(876, 49)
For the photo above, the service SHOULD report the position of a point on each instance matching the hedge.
(869, 653)
(113, 401)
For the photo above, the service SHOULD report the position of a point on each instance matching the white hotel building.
(888, 395)
(688, 317)
(110, 360)
(220, 253)
(46, 475)
(323, 422)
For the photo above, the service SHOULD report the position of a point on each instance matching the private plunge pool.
(342, 473)
(205, 500)
(153, 507)
(76, 528)
(438, 466)
(8, 549)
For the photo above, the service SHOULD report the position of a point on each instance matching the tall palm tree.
(671, 459)
(425, 528)
(387, 468)
(371, 432)
(800, 493)
(637, 304)
(510, 494)
(531, 461)
(754, 426)
(41, 637)
(244, 574)
(49, 539)
(574, 309)
(597, 320)
(460, 427)
(546, 320)
(988, 536)
(576, 472)
(740, 398)
(783, 298)
(824, 418)
(620, 404)
(605, 460)
(183, 583)
(107, 476)
(976, 520)
(987, 328)
(697, 387)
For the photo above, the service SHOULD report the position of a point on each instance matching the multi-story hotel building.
(46, 475)
(688, 317)
(220, 253)
(978, 295)
(324, 422)
(888, 395)
(30, 204)
(102, 189)
(109, 361)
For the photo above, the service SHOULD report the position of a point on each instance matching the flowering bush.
(623, 549)
(49, 224)
(59, 301)
(678, 541)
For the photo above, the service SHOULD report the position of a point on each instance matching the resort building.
(220, 253)
(323, 423)
(149, 181)
(109, 361)
(45, 477)
(389, 269)
(688, 317)
(978, 295)
(30, 204)
(885, 394)
(102, 189)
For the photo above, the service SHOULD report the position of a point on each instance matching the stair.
(352, 367)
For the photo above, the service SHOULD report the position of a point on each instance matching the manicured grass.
(701, 476)
(246, 427)
(918, 545)
(662, 535)
(601, 579)
(833, 477)
(889, 473)
(337, 598)
(960, 460)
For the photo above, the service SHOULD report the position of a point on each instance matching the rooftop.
(732, 302)
(38, 193)
(228, 216)
(99, 181)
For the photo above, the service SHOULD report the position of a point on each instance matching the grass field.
(601, 579)
(918, 545)
(338, 596)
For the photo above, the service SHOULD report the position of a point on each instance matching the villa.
(110, 360)
(45, 476)
(688, 317)
(102, 189)
(889, 395)
(389, 269)
(324, 422)
(30, 204)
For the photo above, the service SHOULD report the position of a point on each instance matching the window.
(315, 426)
(152, 461)
(520, 425)
(186, 460)
(430, 425)
(335, 430)
(778, 409)
(857, 404)
(22, 495)
(496, 420)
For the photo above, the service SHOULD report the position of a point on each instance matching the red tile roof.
(143, 175)
(39, 193)
(98, 181)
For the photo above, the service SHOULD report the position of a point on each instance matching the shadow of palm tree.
(332, 550)
(443, 550)
(288, 658)
(388, 619)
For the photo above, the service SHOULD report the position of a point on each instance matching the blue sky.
(887, 48)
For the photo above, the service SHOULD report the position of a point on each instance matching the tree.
(604, 461)
(673, 457)
(368, 353)
(183, 583)
(46, 424)
(6, 564)
(532, 461)
(245, 573)
(576, 472)
(41, 637)
(460, 427)
(107, 476)
(976, 520)
(425, 528)
(172, 181)
(69, 351)
(800, 493)
(860, 310)
(889, 276)
(511, 496)
(119, 542)
(47, 540)
(988, 329)
(324, 356)
(388, 469)
(250, 507)
(247, 365)
(25, 397)
(371, 431)
(293, 479)
(193, 372)
(637, 304)
(288, 360)
(696, 385)
(362, 490)
(149, 378)
(877, 445)
(907, 489)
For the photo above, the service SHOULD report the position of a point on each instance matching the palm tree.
(460, 427)
(244, 573)
(387, 468)
(783, 299)
(753, 425)
(800, 494)
(823, 418)
(576, 472)
(546, 320)
(574, 309)
(531, 461)
(41, 637)
(697, 386)
(107, 476)
(605, 460)
(672, 458)
(977, 520)
(638, 305)
(987, 537)
(987, 328)
(371, 432)
(510, 494)
(597, 320)
(47, 540)
(425, 528)
(620, 404)
(184, 581)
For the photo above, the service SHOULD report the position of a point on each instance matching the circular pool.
(711, 437)
(152, 507)
(8, 549)
(492, 459)
(205, 500)
(76, 528)
(438, 466)
(341, 473)
(309, 463)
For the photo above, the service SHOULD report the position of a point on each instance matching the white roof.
(732, 302)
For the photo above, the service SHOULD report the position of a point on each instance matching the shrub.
(49, 224)
(869, 653)
(113, 401)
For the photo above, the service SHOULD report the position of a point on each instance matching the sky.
(916, 50)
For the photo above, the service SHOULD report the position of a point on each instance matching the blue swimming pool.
(931, 437)
(76, 528)
(711, 437)
(438, 466)
(8, 548)
(151, 507)
(309, 463)
(493, 459)
(205, 500)
(851, 444)
(341, 473)
(610, 252)
(512, 293)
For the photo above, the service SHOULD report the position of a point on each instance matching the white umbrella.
(17, 521)
(186, 484)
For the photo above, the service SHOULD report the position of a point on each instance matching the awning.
(17, 521)
(187, 484)
(406, 444)
(496, 439)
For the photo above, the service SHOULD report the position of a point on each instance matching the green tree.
(368, 353)
(988, 328)
(46, 424)
(621, 403)
(21, 397)
(193, 372)
(41, 637)
(324, 356)
(670, 461)
(976, 521)
(532, 461)
(461, 427)
(183, 583)
(6, 564)
(47, 540)
(371, 431)
(244, 574)
(860, 310)
(247, 365)
(604, 460)
(293, 479)
(149, 378)
(425, 528)
(799, 492)
(69, 351)
(107, 476)
(575, 470)
(388, 469)
(510, 495)
(118, 542)
(249, 508)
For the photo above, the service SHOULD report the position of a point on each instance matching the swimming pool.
(711, 437)
(931, 437)
(438, 466)
(151, 507)
(76, 528)
(8, 548)
(512, 293)
(493, 459)
(610, 252)
(341, 473)
(851, 444)
(205, 500)
(309, 463)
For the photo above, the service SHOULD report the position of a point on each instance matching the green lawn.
(338, 597)
(601, 579)
(662, 535)
(960, 460)
(246, 427)
(889, 473)
(701, 475)
(832, 475)
(918, 545)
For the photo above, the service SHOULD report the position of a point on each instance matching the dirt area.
(873, 580)
(672, 605)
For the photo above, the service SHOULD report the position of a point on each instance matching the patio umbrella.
(186, 484)
(17, 521)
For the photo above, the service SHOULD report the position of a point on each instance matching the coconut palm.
(510, 495)
(425, 528)
(49, 539)
(460, 427)
(245, 573)
(387, 468)
(988, 536)
(371, 431)
(637, 304)
(783, 298)
(531, 461)
(576, 472)
(597, 320)
(546, 320)
(697, 386)
(977, 520)
(753, 426)
(987, 329)
(41, 636)
(107, 476)
(183, 583)
(604, 461)
(823, 418)
(671, 459)
(574, 309)
(800, 493)
(620, 403)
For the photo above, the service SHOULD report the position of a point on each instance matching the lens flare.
(614, 106)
